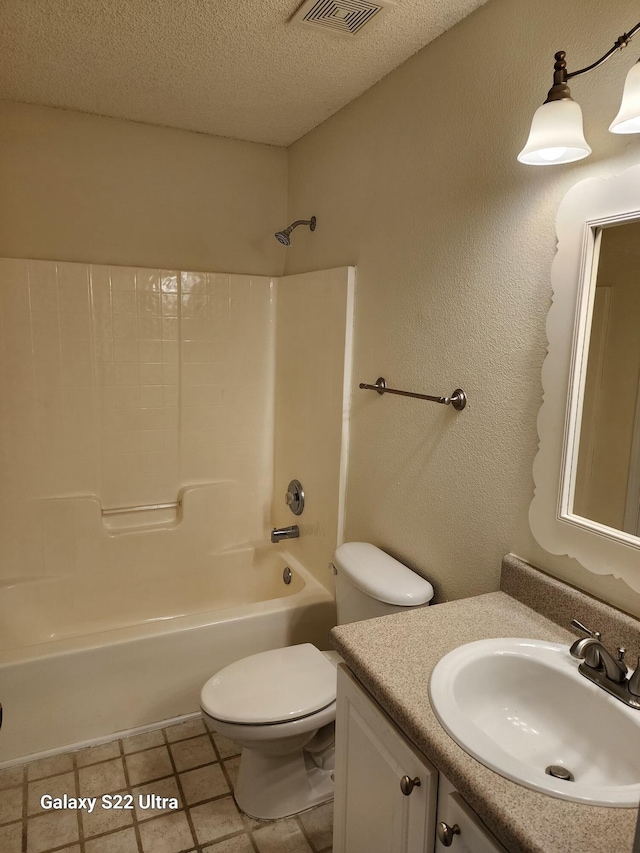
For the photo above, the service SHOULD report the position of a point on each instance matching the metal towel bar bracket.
(458, 398)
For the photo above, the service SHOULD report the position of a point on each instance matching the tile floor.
(186, 762)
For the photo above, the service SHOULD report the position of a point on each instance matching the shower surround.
(123, 386)
(128, 387)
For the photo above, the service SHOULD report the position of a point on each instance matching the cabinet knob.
(407, 785)
(446, 833)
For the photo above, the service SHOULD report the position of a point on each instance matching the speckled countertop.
(393, 657)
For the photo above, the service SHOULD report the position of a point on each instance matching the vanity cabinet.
(388, 797)
(371, 812)
(471, 836)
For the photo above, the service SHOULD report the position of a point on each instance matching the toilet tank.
(371, 583)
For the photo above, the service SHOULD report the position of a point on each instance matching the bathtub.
(78, 664)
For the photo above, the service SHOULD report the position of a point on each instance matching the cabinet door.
(472, 835)
(371, 814)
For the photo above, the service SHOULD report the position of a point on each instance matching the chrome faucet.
(603, 669)
(279, 533)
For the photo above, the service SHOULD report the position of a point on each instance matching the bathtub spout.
(279, 533)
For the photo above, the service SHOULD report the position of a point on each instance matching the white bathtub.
(77, 665)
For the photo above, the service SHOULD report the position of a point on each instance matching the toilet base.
(270, 787)
(285, 768)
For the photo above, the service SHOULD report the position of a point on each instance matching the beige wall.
(78, 187)
(417, 184)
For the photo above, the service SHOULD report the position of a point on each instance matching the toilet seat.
(278, 686)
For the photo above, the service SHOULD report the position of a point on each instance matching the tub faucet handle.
(294, 497)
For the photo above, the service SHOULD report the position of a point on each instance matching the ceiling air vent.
(341, 17)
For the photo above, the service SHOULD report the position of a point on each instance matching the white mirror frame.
(586, 208)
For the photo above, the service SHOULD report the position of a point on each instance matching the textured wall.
(83, 188)
(417, 184)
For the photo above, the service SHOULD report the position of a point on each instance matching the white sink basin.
(520, 706)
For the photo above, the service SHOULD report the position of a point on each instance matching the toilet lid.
(271, 687)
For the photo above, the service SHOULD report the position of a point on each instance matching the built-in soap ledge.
(133, 518)
(126, 519)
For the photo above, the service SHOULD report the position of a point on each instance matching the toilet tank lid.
(381, 576)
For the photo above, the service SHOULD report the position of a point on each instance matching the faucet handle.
(595, 634)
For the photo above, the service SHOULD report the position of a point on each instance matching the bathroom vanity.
(387, 730)
(388, 796)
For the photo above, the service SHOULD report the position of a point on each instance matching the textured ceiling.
(233, 68)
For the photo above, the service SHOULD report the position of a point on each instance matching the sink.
(520, 706)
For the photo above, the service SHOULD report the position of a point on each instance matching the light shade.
(628, 118)
(556, 135)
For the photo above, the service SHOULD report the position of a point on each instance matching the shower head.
(284, 237)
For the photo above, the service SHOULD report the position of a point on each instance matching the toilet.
(280, 705)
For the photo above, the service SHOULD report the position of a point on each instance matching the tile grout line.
(25, 810)
(227, 776)
(134, 816)
(105, 834)
(60, 847)
(180, 789)
(312, 846)
(225, 772)
(253, 842)
(7, 823)
(76, 779)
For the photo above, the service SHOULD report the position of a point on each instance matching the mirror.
(587, 471)
(607, 475)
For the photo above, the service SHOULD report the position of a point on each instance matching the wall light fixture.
(556, 134)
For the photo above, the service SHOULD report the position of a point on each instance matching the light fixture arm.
(620, 43)
(560, 91)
